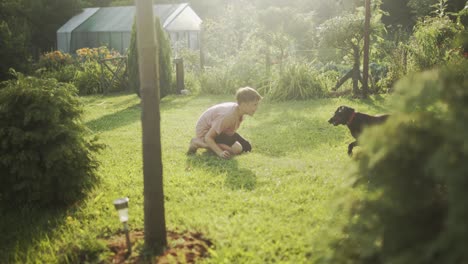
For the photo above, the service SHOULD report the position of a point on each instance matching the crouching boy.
(216, 128)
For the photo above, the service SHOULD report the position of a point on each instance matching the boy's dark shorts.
(230, 140)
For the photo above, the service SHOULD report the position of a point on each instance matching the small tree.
(165, 63)
(346, 33)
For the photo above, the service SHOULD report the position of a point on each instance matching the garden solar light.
(121, 205)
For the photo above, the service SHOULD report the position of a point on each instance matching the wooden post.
(365, 66)
(155, 225)
(202, 47)
(179, 62)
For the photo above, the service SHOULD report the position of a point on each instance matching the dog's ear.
(344, 108)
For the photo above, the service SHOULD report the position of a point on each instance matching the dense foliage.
(414, 171)
(89, 70)
(28, 29)
(45, 159)
(432, 40)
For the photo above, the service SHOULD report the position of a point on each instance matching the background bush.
(432, 41)
(234, 72)
(45, 159)
(298, 82)
(413, 172)
(217, 80)
(90, 75)
(88, 78)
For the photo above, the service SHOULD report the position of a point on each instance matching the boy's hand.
(224, 154)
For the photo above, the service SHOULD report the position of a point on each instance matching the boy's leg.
(229, 143)
(236, 148)
(244, 143)
(195, 144)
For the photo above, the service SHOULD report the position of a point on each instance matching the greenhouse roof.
(120, 19)
(77, 20)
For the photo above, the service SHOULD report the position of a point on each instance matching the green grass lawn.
(273, 205)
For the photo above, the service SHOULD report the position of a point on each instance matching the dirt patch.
(185, 247)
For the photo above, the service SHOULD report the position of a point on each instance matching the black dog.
(355, 121)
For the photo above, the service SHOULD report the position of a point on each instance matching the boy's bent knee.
(236, 148)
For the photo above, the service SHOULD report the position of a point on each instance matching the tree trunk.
(356, 71)
(202, 47)
(365, 67)
(155, 225)
(343, 79)
(267, 61)
(281, 60)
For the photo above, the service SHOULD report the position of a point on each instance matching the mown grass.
(273, 205)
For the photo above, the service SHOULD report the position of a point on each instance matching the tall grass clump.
(297, 82)
(45, 159)
(217, 80)
(413, 170)
(230, 74)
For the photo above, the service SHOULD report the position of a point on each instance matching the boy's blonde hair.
(247, 94)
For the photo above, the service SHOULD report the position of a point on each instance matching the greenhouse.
(112, 27)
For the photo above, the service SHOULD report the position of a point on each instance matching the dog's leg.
(350, 148)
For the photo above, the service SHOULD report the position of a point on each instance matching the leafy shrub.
(95, 54)
(191, 59)
(64, 74)
(14, 50)
(413, 170)
(88, 78)
(217, 80)
(191, 81)
(84, 70)
(431, 42)
(397, 65)
(239, 71)
(298, 82)
(56, 64)
(464, 17)
(54, 60)
(44, 158)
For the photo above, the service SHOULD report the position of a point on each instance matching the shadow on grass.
(23, 228)
(174, 102)
(236, 178)
(101, 98)
(115, 120)
(132, 113)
